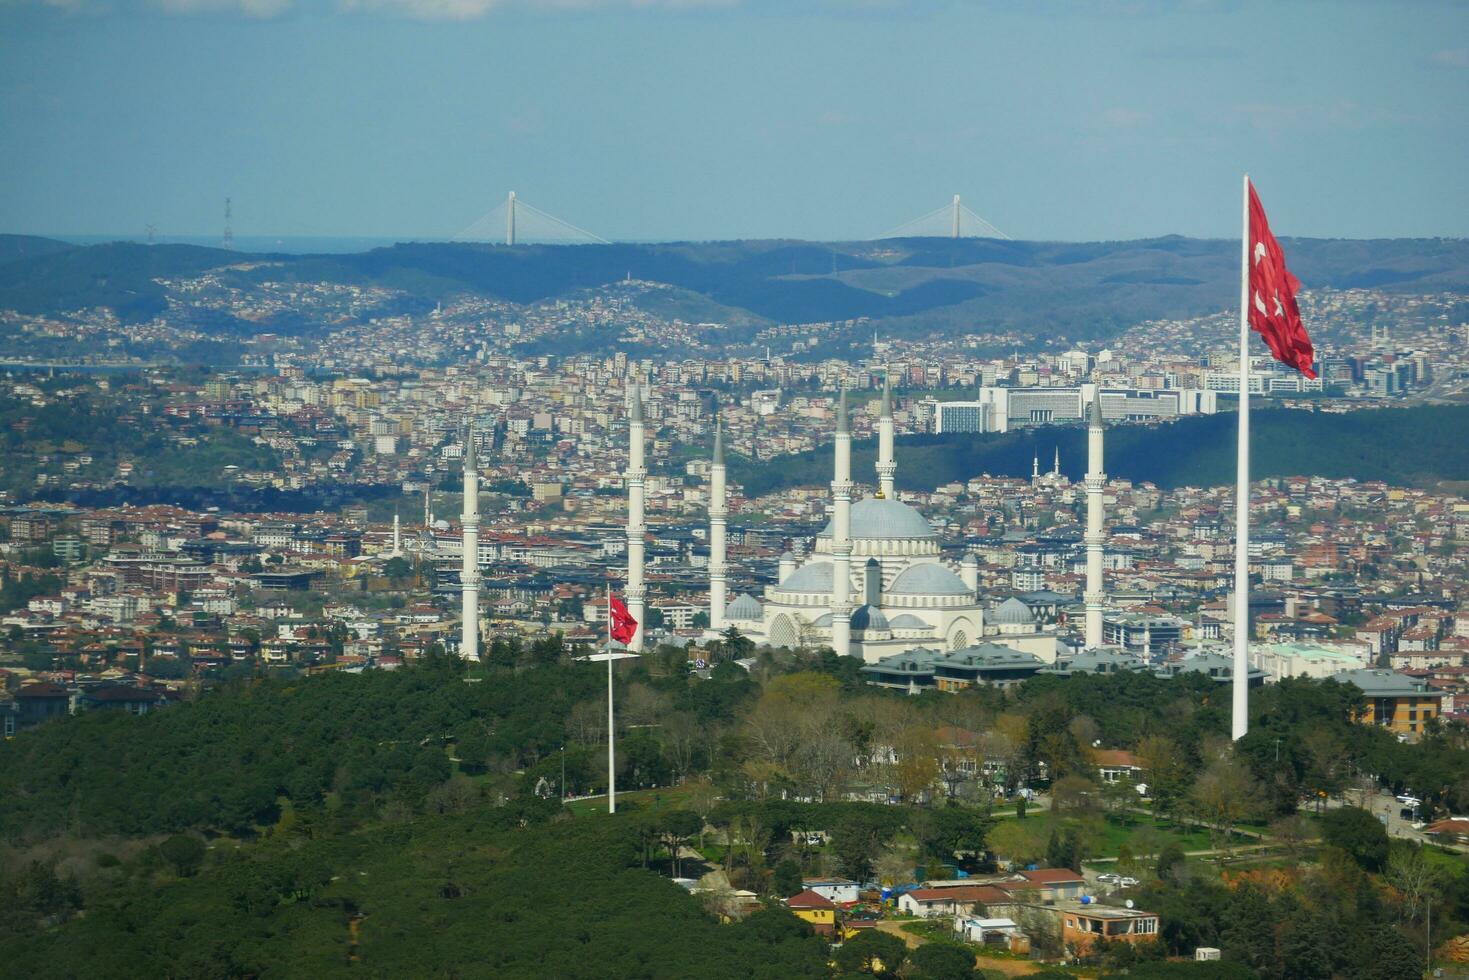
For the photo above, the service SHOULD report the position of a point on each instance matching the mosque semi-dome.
(928, 578)
(814, 577)
(868, 618)
(745, 607)
(1013, 612)
(880, 517)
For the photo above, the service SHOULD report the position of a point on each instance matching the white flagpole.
(1241, 707)
(611, 731)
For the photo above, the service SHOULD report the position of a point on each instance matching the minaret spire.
(636, 474)
(1056, 464)
(718, 585)
(469, 566)
(887, 466)
(1095, 536)
(841, 534)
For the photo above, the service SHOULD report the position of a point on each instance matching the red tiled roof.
(809, 900)
(1051, 876)
(985, 894)
(1115, 757)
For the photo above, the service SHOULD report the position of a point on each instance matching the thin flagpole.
(611, 731)
(1241, 707)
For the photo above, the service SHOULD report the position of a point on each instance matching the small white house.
(838, 891)
(991, 931)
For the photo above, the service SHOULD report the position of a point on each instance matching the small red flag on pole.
(620, 624)
(1272, 309)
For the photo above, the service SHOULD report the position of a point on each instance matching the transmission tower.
(228, 241)
(510, 219)
(152, 230)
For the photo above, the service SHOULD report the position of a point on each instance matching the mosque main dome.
(879, 517)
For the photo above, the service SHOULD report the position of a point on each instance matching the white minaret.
(841, 535)
(1056, 465)
(1095, 537)
(397, 537)
(636, 473)
(717, 514)
(469, 568)
(886, 465)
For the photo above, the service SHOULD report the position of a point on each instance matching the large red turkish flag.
(1273, 313)
(621, 626)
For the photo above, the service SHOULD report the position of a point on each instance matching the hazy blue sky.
(1070, 119)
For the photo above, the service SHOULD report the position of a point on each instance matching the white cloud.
(458, 10)
(257, 9)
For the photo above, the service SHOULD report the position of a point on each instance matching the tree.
(1074, 795)
(1224, 794)
(1410, 872)
(397, 568)
(1170, 860)
(679, 827)
(184, 853)
(1359, 834)
(1165, 769)
(786, 879)
(943, 961)
(1015, 841)
(1063, 850)
(948, 831)
(871, 952)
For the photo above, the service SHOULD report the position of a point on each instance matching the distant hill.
(1407, 447)
(14, 247)
(916, 285)
(118, 275)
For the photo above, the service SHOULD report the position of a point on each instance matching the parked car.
(1408, 799)
(1110, 878)
(1129, 882)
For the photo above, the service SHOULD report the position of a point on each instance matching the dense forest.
(1194, 451)
(407, 822)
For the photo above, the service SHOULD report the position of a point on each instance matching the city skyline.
(684, 121)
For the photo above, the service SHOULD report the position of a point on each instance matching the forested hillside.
(1418, 446)
(395, 823)
(1087, 290)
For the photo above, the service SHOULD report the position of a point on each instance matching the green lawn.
(1153, 833)
(663, 798)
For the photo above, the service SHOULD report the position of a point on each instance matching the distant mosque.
(876, 584)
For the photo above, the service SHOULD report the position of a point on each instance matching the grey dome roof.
(878, 517)
(1013, 612)
(823, 620)
(815, 577)
(929, 578)
(745, 606)
(868, 618)
(908, 621)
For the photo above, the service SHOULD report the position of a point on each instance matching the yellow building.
(1403, 705)
(816, 909)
